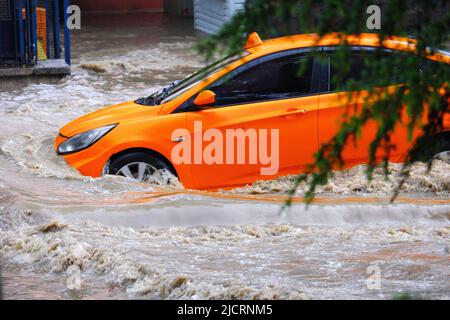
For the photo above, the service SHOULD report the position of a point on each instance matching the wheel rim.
(138, 171)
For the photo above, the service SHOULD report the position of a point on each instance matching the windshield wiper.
(147, 101)
(156, 97)
(164, 92)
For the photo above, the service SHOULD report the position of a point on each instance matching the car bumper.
(89, 162)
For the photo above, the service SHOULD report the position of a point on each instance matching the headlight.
(83, 140)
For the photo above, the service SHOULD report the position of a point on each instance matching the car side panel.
(334, 108)
(297, 139)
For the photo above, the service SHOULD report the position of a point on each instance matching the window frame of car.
(188, 105)
(326, 69)
(188, 83)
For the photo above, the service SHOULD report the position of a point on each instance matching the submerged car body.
(306, 114)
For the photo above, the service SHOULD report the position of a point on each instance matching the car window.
(351, 78)
(279, 78)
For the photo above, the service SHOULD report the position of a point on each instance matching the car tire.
(131, 165)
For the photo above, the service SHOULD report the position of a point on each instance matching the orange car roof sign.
(253, 40)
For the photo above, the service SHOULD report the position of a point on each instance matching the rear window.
(358, 73)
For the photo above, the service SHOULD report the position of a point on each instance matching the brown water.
(118, 239)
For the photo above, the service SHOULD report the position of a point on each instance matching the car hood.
(109, 115)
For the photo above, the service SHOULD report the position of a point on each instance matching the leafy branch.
(418, 97)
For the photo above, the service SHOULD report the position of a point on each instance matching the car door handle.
(294, 111)
(178, 139)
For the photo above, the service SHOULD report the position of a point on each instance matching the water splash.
(129, 239)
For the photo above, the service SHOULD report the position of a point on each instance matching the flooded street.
(66, 236)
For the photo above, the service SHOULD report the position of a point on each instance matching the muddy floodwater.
(65, 236)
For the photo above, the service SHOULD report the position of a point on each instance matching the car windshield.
(176, 88)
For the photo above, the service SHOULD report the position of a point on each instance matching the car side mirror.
(205, 99)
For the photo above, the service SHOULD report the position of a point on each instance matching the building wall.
(183, 8)
(7, 41)
(210, 15)
(120, 5)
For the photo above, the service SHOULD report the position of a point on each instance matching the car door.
(272, 108)
(335, 105)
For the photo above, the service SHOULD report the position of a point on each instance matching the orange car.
(256, 96)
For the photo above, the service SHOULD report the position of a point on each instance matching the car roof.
(334, 39)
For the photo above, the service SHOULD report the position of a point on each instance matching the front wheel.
(141, 166)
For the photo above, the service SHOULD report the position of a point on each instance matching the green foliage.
(407, 296)
(421, 81)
